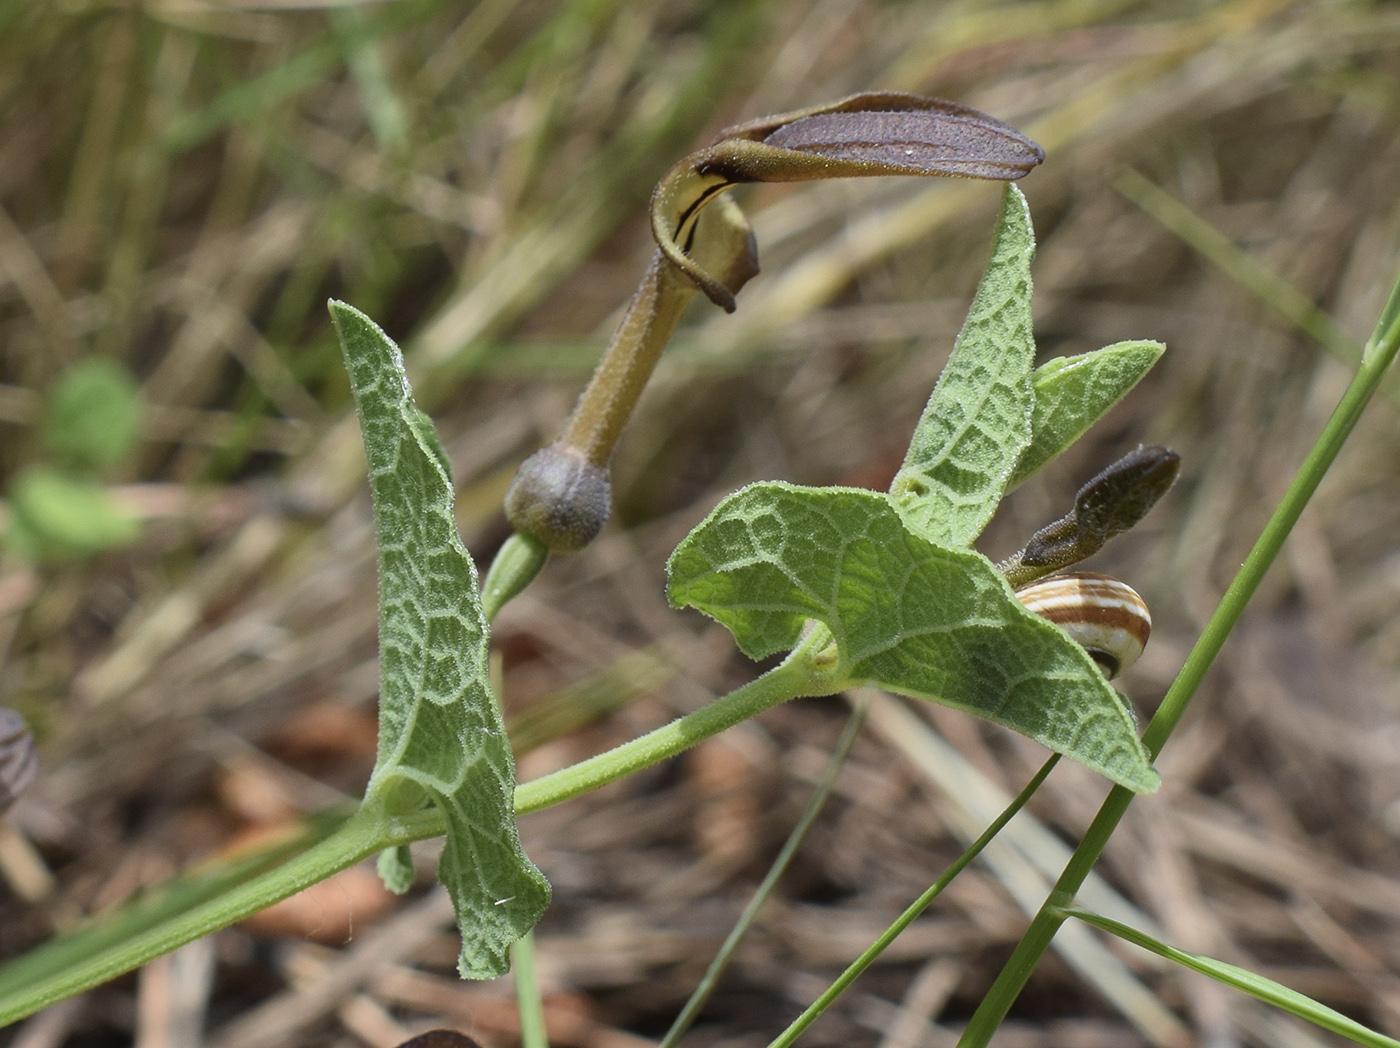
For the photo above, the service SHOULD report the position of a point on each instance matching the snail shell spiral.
(1104, 616)
(19, 758)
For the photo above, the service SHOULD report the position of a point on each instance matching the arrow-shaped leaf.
(978, 419)
(440, 731)
(1072, 393)
(906, 615)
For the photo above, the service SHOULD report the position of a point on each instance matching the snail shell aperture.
(1104, 616)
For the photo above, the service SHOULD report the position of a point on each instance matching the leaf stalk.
(795, 676)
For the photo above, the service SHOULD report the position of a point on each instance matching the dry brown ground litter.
(183, 184)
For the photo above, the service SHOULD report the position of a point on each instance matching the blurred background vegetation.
(184, 183)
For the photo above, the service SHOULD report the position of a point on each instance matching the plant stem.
(1379, 354)
(815, 805)
(793, 677)
(607, 402)
(517, 562)
(798, 675)
(363, 834)
(1266, 990)
(918, 906)
(528, 1001)
(369, 830)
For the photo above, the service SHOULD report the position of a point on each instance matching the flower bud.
(559, 498)
(1108, 505)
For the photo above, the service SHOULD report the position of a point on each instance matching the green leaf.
(1072, 393)
(978, 419)
(440, 731)
(395, 869)
(93, 414)
(1267, 990)
(906, 615)
(54, 516)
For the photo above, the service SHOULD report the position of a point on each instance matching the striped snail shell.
(1104, 616)
(19, 758)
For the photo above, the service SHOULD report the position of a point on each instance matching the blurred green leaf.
(93, 415)
(55, 516)
(254, 99)
(383, 109)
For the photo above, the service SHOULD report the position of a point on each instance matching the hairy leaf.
(440, 731)
(1072, 393)
(978, 419)
(906, 615)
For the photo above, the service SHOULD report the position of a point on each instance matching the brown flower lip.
(877, 133)
(901, 134)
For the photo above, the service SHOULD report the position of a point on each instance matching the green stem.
(528, 1001)
(607, 402)
(793, 677)
(1266, 990)
(918, 906)
(517, 562)
(363, 834)
(799, 674)
(1379, 354)
(815, 805)
(369, 830)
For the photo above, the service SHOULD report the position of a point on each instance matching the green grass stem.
(1266, 990)
(1241, 267)
(918, 906)
(528, 1000)
(815, 804)
(363, 834)
(1380, 352)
